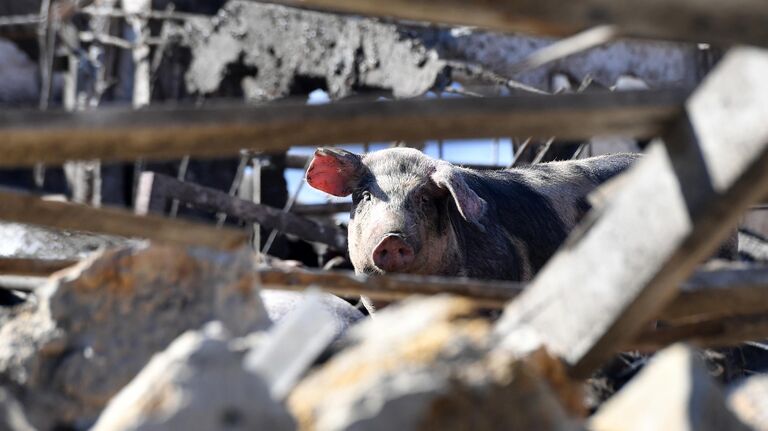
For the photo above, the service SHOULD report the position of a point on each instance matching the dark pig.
(415, 214)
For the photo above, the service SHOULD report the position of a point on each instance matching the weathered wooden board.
(157, 133)
(25, 208)
(624, 265)
(701, 21)
(719, 331)
(155, 187)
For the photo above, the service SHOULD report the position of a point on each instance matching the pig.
(415, 214)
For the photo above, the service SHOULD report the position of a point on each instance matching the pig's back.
(533, 209)
(567, 184)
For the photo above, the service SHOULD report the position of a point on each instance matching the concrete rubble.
(425, 364)
(748, 399)
(674, 392)
(197, 383)
(278, 45)
(91, 329)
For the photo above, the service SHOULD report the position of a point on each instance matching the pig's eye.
(366, 196)
(425, 200)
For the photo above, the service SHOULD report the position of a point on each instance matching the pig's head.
(404, 207)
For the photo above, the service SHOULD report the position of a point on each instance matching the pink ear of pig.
(334, 171)
(471, 206)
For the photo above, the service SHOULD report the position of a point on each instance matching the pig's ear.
(334, 171)
(471, 206)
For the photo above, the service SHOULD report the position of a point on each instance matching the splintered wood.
(677, 204)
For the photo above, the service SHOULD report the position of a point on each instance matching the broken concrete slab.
(673, 392)
(280, 303)
(93, 327)
(196, 384)
(749, 401)
(278, 45)
(293, 344)
(425, 364)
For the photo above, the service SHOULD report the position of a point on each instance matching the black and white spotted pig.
(414, 214)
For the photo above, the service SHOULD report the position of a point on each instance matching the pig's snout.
(393, 254)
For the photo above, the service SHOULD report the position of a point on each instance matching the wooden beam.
(155, 186)
(157, 133)
(722, 292)
(297, 161)
(392, 287)
(722, 331)
(708, 294)
(32, 267)
(623, 267)
(735, 21)
(29, 209)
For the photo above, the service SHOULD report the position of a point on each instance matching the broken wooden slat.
(156, 133)
(700, 21)
(215, 200)
(29, 209)
(620, 270)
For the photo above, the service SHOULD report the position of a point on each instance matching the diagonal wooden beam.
(156, 133)
(154, 187)
(695, 20)
(619, 271)
(29, 209)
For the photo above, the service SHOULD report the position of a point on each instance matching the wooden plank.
(216, 200)
(720, 292)
(392, 287)
(620, 269)
(699, 21)
(297, 161)
(29, 209)
(157, 133)
(706, 333)
(708, 294)
(33, 267)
